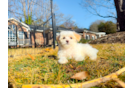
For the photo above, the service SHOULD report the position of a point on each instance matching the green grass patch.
(84, 40)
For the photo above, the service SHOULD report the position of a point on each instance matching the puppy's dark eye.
(63, 37)
(71, 38)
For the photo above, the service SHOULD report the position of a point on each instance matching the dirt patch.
(118, 37)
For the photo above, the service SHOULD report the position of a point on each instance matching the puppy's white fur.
(72, 49)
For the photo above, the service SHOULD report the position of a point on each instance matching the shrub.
(108, 27)
(83, 40)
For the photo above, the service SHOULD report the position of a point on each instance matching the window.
(8, 33)
(9, 27)
(86, 36)
(12, 30)
(29, 35)
(93, 37)
(12, 35)
(97, 36)
(21, 34)
(21, 37)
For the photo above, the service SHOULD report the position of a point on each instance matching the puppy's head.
(68, 38)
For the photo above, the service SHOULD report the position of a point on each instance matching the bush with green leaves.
(108, 27)
(84, 40)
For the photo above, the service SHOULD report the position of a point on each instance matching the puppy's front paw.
(93, 58)
(79, 58)
(62, 61)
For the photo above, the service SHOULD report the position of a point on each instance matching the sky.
(82, 17)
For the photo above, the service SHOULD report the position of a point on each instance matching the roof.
(79, 30)
(67, 29)
(95, 32)
(62, 29)
(38, 28)
(21, 23)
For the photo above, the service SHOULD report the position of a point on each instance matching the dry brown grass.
(45, 69)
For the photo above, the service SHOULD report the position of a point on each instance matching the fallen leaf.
(31, 56)
(80, 76)
(48, 49)
(71, 66)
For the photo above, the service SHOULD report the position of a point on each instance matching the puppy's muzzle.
(67, 41)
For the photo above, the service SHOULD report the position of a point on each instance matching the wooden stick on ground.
(87, 84)
(119, 82)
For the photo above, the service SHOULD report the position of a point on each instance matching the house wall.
(90, 34)
(50, 38)
(82, 36)
(19, 27)
(40, 39)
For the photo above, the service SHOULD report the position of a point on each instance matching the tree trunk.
(120, 9)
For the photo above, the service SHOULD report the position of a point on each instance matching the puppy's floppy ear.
(78, 37)
(57, 37)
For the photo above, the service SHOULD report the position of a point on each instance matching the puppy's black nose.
(67, 41)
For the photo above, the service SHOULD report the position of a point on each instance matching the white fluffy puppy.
(69, 48)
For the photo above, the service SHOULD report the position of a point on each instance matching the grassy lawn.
(44, 69)
(23, 51)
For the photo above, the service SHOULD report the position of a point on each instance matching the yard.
(39, 66)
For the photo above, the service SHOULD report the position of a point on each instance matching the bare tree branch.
(94, 7)
(98, 14)
(109, 2)
(40, 9)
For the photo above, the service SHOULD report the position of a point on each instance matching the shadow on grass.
(52, 56)
(10, 85)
